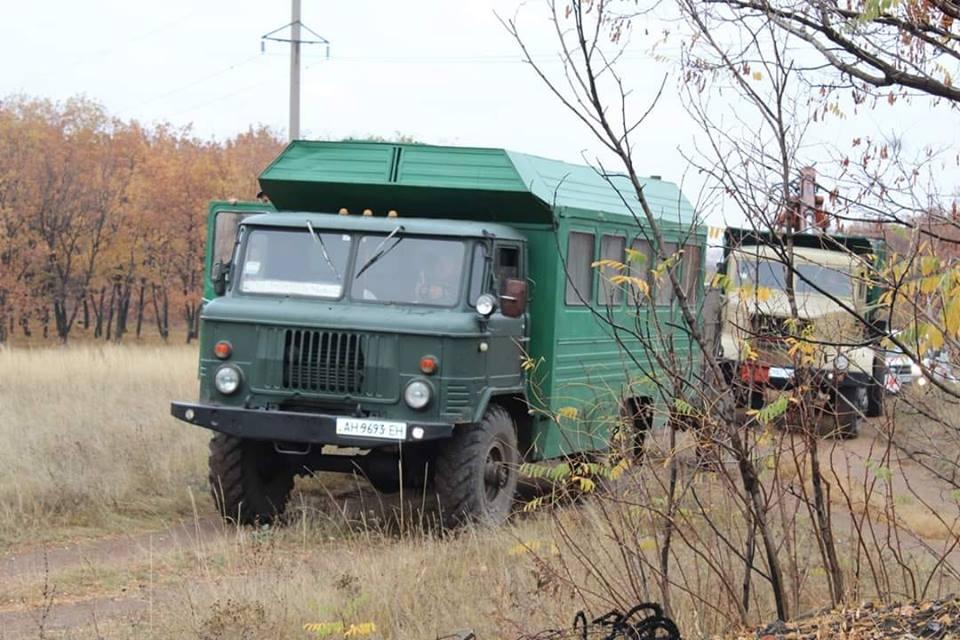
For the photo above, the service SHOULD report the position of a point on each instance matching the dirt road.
(120, 580)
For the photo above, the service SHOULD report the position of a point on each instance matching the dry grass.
(89, 444)
(94, 452)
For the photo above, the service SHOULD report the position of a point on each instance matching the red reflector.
(754, 373)
(428, 365)
(222, 349)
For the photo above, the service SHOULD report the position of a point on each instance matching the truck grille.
(323, 361)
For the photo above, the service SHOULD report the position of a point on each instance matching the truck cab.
(833, 315)
(385, 313)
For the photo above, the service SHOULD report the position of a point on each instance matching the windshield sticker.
(251, 268)
(291, 287)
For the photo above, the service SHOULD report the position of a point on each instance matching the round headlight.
(841, 362)
(486, 303)
(417, 394)
(227, 379)
(916, 370)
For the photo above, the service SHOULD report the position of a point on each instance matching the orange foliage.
(102, 221)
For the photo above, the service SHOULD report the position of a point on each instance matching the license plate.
(363, 428)
(783, 373)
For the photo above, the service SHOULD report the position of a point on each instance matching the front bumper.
(289, 426)
(782, 378)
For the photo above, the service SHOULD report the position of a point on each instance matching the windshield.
(761, 273)
(424, 271)
(828, 279)
(386, 268)
(295, 262)
(770, 274)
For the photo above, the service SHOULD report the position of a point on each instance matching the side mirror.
(513, 298)
(219, 276)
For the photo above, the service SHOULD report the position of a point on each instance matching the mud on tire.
(250, 482)
(477, 471)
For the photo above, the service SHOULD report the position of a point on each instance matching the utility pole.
(295, 41)
(295, 71)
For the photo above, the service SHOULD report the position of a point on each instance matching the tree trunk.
(191, 313)
(86, 314)
(123, 310)
(143, 285)
(60, 320)
(113, 300)
(824, 528)
(98, 312)
(160, 316)
(166, 314)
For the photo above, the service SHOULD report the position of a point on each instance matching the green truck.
(427, 316)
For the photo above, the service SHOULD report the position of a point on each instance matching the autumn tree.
(100, 217)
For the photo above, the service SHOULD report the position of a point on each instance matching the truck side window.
(225, 234)
(508, 263)
(691, 272)
(664, 288)
(477, 285)
(580, 248)
(611, 248)
(639, 266)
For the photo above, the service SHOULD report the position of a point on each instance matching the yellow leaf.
(952, 316)
(634, 256)
(363, 629)
(638, 283)
(647, 544)
(757, 76)
(930, 284)
(568, 412)
(608, 264)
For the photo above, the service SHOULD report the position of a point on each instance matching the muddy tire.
(477, 471)
(847, 412)
(876, 390)
(249, 480)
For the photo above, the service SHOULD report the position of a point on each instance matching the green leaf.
(774, 410)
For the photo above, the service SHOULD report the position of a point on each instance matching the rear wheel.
(477, 471)
(249, 480)
(876, 390)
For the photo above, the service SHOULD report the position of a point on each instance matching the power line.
(194, 83)
(88, 56)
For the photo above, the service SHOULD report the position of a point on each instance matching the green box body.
(554, 358)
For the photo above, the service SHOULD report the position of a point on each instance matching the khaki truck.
(831, 332)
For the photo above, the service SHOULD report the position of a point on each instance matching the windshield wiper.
(323, 250)
(380, 252)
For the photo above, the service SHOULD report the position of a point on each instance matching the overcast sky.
(442, 71)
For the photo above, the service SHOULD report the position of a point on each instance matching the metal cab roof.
(460, 183)
(734, 238)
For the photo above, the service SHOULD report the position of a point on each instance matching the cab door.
(223, 221)
(507, 335)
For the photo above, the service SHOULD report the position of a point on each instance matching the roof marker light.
(392, 213)
(343, 211)
(367, 212)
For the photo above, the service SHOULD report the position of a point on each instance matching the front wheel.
(847, 411)
(477, 471)
(249, 480)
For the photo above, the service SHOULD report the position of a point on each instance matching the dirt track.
(33, 605)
